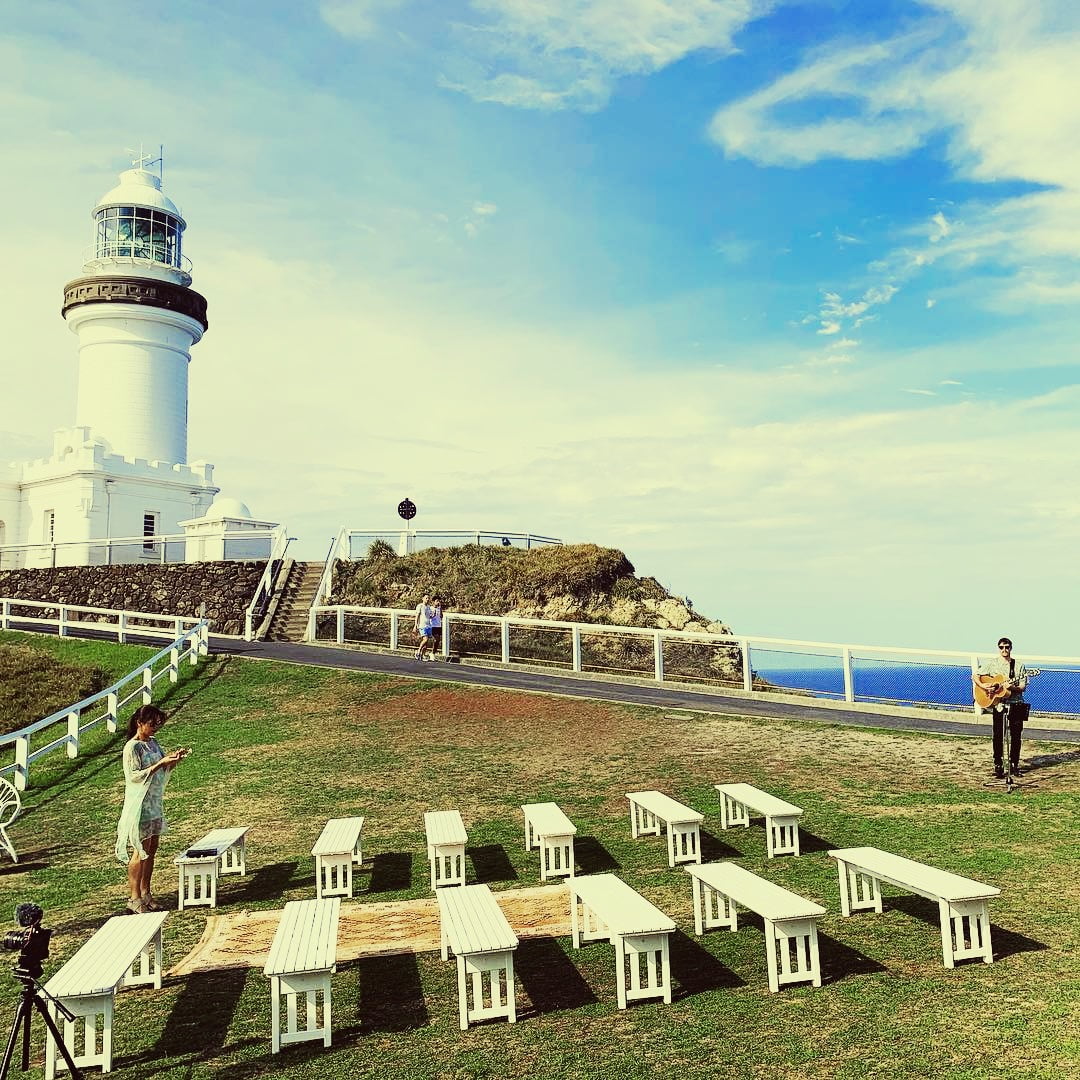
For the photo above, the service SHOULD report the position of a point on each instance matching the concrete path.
(668, 697)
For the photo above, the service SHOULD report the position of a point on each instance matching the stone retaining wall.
(169, 589)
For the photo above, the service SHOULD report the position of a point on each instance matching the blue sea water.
(1053, 691)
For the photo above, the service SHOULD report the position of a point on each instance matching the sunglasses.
(1005, 645)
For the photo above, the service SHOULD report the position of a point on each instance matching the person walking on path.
(142, 821)
(1012, 710)
(436, 629)
(422, 622)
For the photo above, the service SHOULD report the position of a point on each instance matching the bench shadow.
(549, 978)
(11, 869)
(694, 969)
(265, 883)
(838, 961)
(713, 848)
(390, 996)
(810, 842)
(1005, 942)
(200, 1017)
(593, 857)
(391, 871)
(491, 863)
(1009, 942)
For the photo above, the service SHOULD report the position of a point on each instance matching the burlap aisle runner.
(407, 926)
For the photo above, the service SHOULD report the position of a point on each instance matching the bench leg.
(315, 988)
(81, 1036)
(530, 836)
(783, 835)
(489, 978)
(713, 909)
(234, 859)
(334, 875)
(965, 931)
(791, 948)
(145, 969)
(684, 844)
(585, 925)
(556, 857)
(198, 883)
(644, 967)
(733, 812)
(859, 891)
(447, 865)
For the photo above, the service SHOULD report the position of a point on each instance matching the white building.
(122, 471)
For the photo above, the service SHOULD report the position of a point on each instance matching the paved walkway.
(669, 697)
(665, 697)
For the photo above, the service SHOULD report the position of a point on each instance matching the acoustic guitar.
(991, 690)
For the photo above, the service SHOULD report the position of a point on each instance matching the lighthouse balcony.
(140, 260)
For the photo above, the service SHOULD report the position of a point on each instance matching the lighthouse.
(136, 318)
(118, 486)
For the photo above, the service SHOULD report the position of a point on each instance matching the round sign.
(407, 509)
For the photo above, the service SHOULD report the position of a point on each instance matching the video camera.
(31, 942)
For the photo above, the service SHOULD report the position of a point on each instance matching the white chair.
(10, 805)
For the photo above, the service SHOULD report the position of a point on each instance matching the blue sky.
(779, 298)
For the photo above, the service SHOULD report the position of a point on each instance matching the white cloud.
(930, 302)
(570, 54)
(829, 326)
(357, 18)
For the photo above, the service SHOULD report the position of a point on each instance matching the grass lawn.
(283, 748)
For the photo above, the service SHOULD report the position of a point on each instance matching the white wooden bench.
(611, 910)
(963, 904)
(126, 951)
(781, 818)
(301, 960)
(472, 925)
(446, 839)
(791, 932)
(550, 830)
(336, 850)
(220, 851)
(652, 811)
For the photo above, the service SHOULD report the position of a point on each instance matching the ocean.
(1055, 690)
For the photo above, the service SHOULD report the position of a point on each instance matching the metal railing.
(190, 644)
(855, 674)
(264, 590)
(237, 546)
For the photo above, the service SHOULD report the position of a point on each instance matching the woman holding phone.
(142, 821)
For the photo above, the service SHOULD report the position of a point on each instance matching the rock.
(673, 613)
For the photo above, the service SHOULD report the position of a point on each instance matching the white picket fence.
(867, 675)
(191, 643)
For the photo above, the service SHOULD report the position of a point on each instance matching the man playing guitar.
(1003, 681)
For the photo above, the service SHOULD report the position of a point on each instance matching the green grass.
(283, 748)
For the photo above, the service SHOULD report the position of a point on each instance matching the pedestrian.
(142, 821)
(1002, 680)
(436, 628)
(422, 622)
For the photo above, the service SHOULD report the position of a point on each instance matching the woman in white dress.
(142, 821)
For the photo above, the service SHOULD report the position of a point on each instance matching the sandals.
(150, 904)
(136, 906)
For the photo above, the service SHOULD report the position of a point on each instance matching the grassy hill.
(34, 684)
(283, 747)
(572, 583)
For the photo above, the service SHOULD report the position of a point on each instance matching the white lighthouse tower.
(121, 475)
(136, 317)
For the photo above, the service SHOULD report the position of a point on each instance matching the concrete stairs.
(289, 611)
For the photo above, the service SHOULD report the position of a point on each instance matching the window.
(138, 233)
(149, 530)
(50, 526)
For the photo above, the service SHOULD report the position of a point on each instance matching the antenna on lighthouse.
(142, 159)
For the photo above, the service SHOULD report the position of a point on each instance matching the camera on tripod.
(31, 942)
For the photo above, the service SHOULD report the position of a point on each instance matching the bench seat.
(963, 904)
(301, 960)
(474, 928)
(220, 851)
(126, 951)
(446, 840)
(791, 930)
(611, 910)
(550, 830)
(652, 811)
(781, 818)
(338, 848)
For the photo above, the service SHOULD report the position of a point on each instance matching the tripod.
(30, 999)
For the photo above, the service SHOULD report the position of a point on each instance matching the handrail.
(264, 589)
(840, 656)
(197, 642)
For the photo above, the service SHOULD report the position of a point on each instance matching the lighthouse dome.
(138, 187)
(226, 506)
